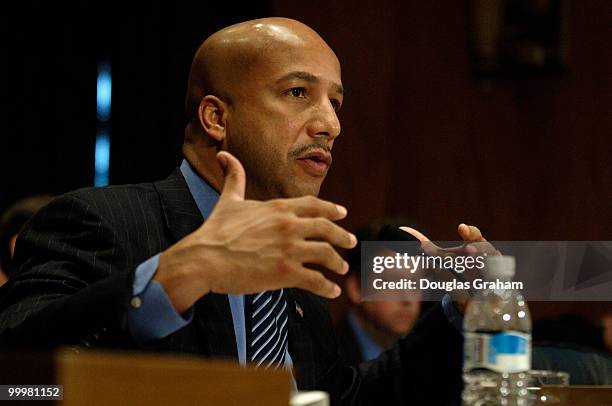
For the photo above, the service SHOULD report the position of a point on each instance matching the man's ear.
(212, 114)
(12, 242)
(353, 288)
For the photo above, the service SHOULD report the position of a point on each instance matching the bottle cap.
(500, 266)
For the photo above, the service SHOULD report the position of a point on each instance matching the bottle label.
(508, 351)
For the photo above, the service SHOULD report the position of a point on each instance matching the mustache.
(299, 151)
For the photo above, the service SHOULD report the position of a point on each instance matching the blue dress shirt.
(368, 347)
(151, 315)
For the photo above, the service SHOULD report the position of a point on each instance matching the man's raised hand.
(248, 246)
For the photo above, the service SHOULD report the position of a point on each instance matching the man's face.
(282, 120)
(392, 317)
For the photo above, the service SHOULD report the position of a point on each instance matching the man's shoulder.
(125, 194)
(129, 202)
(112, 194)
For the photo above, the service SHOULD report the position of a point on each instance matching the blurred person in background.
(370, 327)
(11, 223)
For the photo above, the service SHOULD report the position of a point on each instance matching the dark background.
(523, 158)
(50, 55)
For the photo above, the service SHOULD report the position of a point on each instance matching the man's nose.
(325, 121)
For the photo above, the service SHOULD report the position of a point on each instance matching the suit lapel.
(300, 347)
(213, 317)
(181, 213)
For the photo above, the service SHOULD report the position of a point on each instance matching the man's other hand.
(473, 244)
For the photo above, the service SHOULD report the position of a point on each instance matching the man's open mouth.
(316, 162)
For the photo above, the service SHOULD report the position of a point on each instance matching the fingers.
(415, 233)
(310, 206)
(484, 247)
(475, 242)
(467, 233)
(323, 254)
(235, 177)
(470, 233)
(429, 247)
(323, 229)
(314, 281)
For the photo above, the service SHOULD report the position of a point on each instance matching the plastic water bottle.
(497, 334)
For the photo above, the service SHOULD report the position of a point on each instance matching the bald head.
(226, 58)
(268, 92)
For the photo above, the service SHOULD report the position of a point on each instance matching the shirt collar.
(204, 195)
(369, 348)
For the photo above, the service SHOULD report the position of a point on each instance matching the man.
(189, 265)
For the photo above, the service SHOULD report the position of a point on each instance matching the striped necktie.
(267, 344)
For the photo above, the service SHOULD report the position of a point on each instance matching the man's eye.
(298, 92)
(335, 104)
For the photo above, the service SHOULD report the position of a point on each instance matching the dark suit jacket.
(75, 265)
(348, 346)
